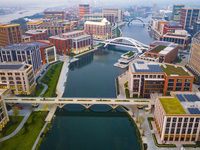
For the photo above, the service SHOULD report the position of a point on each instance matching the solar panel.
(189, 97)
(180, 97)
(194, 110)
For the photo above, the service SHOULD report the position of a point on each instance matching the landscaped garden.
(51, 79)
(26, 137)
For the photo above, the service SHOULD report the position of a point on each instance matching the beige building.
(18, 77)
(194, 61)
(3, 111)
(112, 14)
(177, 117)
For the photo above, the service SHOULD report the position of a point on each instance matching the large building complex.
(112, 14)
(40, 34)
(177, 12)
(100, 30)
(55, 15)
(83, 9)
(4, 118)
(47, 50)
(196, 27)
(189, 16)
(161, 52)
(171, 27)
(194, 61)
(72, 42)
(34, 24)
(177, 117)
(93, 17)
(180, 37)
(18, 77)
(10, 33)
(29, 53)
(146, 77)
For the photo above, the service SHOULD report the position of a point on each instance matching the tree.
(15, 113)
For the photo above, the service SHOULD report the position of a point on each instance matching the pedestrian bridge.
(86, 102)
(128, 42)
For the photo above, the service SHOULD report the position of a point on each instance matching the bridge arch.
(136, 19)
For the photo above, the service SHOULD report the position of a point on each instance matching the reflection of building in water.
(101, 52)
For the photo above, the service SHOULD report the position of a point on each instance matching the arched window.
(3, 78)
(19, 82)
(10, 78)
(18, 78)
(11, 82)
(4, 82)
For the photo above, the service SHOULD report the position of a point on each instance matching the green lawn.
(39, 89)
(129, 54)
(170, 69)
(11, 125)
(51, 79)
(172, 106)
(24, 140)
(158, 48)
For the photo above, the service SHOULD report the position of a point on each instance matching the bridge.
(132, 43)
(142, 22)
(86, 102)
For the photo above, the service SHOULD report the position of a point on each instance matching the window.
(18, 78)
(189, 131)
(183, 131)
(186, 120)
(180, 119)
(146, 76)
(194, 131)
(10, 78)
(171, 80)
(150, 76)
(166, 130)
(168, 125)
(179, 124)
(191, 119)
(197, 119)
(185, 125)
(3, 78)
(177, 130)
(173, 124)
(174, 119)
(19, 82)
(190, 124)
(168, 119)
(196, 125)
(158, 76)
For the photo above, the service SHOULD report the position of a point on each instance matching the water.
(98, 128)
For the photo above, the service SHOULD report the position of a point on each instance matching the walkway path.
(18, 128)
(35, 144)
(123, 78)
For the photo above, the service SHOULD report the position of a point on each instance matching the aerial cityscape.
(99, 75)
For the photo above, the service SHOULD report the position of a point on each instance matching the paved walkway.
(18, 128)
(35, 144)
(122, 79)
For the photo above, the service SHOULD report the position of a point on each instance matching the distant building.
(18, 77)
(171, 27)
(35, 24)
(4, 118)
(10, 33)
(194, 60)
(93, 17)
(72, 42)
(196, 27)
(112, 14)
(180, 37)
(146, 77)
(29, 53)
(55, 15)
(177, 12)
(162, 52)
(47, 50)
(189, 16)
(40, 34)
(26, 38)
(99, 30)
(83, 9)
(177, 118)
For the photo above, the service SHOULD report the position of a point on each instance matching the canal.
(99, 128)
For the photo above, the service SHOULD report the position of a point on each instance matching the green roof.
(129, 54)
(158, 48)
(172, 106)
(171, 70)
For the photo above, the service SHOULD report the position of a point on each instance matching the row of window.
(11, 78)
(178, 131)
(182, 119)
(148, 76)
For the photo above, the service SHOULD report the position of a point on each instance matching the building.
(160, 24)
(146, 77)
(100, 30)
(18, 77)
(26, 38)
(177, 12)
(171, 27)
(93, 17)
(162, 52)
(34, 24)
(72, 42)
(194, 60)
(10, 33)
(4, 118)
(40, 34)
(180, 37)
(55, 15)
(196, 27)
(189, 16)
(112, 14)
(47, 50)
(177, 118)
(83, 9)
(29, 53)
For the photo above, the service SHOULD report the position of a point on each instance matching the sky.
(118, 3)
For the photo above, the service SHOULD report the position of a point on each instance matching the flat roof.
(161, 43)
(39, 43)
(158, 48)
(38, 31)
(143, 67)
(73, 32)
(10, 66)
(171, 70)
(172, 106)
(80, 37)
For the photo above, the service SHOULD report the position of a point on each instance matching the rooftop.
(22, 47)
(103, 22)
(161, 43)
(36, 31)
(172, 106)
(171, 70)
(158, 48)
